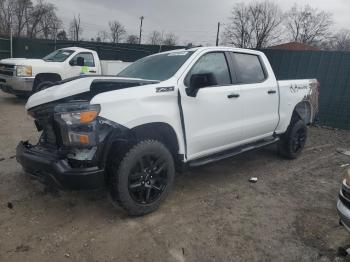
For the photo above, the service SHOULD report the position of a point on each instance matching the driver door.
(213, 117)
(83, 64)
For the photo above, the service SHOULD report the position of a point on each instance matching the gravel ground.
(213, 213)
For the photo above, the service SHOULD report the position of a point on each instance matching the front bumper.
(46, 166)
(16, 85)
(343, 205)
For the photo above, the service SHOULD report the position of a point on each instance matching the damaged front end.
(71, 150)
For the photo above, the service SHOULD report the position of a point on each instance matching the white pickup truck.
(22, 77)
(164, 113)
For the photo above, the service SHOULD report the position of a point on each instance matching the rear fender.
(297, 97)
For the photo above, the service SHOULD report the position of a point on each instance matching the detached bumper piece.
(343, 206)
(46, 166)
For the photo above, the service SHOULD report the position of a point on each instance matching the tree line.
(262, 24)
(39, 19)
(250, 25)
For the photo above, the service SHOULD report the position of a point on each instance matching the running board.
(232, 152)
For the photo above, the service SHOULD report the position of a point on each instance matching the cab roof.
(75, 48)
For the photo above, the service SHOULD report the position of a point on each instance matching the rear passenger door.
(259, 96)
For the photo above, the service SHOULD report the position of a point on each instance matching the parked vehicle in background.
(343, 204)
(22, 77)
(168, 111)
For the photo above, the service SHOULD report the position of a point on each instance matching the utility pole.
(217, 35)
(141, 18)
(11, 38)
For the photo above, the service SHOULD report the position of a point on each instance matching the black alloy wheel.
(148, 178)
(142, 176)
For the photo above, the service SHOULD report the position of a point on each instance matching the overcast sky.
(191, 20)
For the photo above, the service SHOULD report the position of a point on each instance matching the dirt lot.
(213, 213)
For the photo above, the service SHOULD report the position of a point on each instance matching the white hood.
(22, 61)
(67, 89)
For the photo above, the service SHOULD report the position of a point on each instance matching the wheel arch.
(304, 111)
(161, 131)
(53, 77)
(119, 142)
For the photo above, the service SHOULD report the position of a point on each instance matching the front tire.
(293, 141)
(41, 86)
(143, 177)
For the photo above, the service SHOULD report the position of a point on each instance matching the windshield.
(158, 67)
(58, 55)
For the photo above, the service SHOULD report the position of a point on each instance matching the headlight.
(77, 121)
(347, 177)
(24, 71)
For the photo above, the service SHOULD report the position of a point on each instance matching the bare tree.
(342, 40)
(102, 36)
(6, 15)
(339, 41)
(50, 23)
(170, 39)
(27, 19)
(253, 25)
(22, 13)
(43, 21)
(62, 35)
(307, 25)
(155, 38)
(75, 28)
(117, 31)
(132, 39)
(239, 30)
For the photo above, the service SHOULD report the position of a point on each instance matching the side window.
(214, 63)
(249, 69)
(88, 59)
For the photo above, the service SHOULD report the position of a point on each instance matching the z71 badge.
(165, 89)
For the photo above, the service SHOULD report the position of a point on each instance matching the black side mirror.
(80, 61)
(198, 81)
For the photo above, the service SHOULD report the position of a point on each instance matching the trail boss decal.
(295, 88)
(165, 89)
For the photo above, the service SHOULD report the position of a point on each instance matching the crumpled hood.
(22, 61)
(77, 86)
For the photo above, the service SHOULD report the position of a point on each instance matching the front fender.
(142, 105)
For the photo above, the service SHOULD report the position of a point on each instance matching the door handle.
(92, 71)
(234, 95)
(270, 92)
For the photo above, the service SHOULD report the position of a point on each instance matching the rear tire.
(293, 141)
(143, 177)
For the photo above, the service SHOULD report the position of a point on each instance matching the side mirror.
(198, 81)
(80, 61)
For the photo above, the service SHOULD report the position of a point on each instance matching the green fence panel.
(332, 69)
(5, 48)
(38, 48)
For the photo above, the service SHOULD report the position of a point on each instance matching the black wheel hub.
(148, 179)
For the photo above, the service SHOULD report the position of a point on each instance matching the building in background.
(295, 46)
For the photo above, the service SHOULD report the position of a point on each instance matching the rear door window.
(249, 68)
